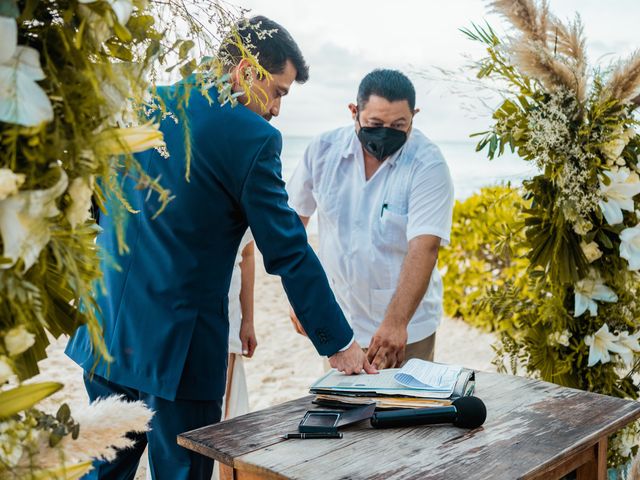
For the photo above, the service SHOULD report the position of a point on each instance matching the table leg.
(596, 469)
(230, 473)
(226, 472)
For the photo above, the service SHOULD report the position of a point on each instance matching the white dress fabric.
(236, 402)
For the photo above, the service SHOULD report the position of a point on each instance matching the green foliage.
(20, 398)
(485, 253)
(565, 306)
(93, 68)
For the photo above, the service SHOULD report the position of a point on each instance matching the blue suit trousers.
(167, 460)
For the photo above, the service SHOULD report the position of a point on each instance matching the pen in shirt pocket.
(384, 207)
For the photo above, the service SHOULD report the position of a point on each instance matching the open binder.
(334, 389)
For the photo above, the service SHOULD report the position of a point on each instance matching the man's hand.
(352, 361)
(296, 323)
(248, 339)
(387, 346)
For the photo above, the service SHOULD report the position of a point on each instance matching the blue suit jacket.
(165, 315)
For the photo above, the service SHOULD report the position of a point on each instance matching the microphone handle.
(415, 416)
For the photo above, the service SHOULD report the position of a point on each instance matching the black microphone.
(465, 412)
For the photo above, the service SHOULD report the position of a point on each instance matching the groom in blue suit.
(165, 315)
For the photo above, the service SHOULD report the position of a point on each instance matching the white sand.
(285, 363)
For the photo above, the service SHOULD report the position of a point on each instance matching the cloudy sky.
(344, 39)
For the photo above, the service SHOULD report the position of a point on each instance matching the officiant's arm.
(387, 347)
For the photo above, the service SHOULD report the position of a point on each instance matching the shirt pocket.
(392, 227)
(379, 302)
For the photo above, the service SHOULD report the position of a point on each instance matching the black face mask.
(381, 142)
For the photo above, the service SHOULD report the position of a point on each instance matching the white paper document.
(386, 382)
(428, 375)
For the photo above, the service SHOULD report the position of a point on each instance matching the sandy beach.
(285, 363)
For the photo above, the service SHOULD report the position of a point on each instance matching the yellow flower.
(118, 141)
(18, 340)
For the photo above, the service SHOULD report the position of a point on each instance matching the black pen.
(311, 435)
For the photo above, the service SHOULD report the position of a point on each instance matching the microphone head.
(471, 412)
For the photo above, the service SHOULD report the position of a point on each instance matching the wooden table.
(534, 430)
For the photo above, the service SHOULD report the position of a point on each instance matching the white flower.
(591, 251)
(18, 340)
(80, 192)
(613, 149)
(24, 225)
(630, 342)
(117, 141)
(624, 441)
(5, 370)
(618, 195)
(587, 291)
(8, 38)
(9, 182)
(560, 338)
(600, 344)
(582, 226)
(22, 100)
(102, 431)
(122, 8)
(630, 246)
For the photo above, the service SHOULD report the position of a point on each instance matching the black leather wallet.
(328, 421)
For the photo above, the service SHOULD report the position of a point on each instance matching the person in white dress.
(242, 337)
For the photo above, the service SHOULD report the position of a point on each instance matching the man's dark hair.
(391, 85)
(270, 43)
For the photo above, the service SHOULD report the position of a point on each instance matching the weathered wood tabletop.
(534, 429)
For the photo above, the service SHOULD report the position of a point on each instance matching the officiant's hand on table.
(388, 344)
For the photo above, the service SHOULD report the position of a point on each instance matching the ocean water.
(470, 170)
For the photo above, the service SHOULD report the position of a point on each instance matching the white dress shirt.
(365, 225)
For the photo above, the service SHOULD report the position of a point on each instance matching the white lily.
(9, 182)
(8, 38)
(22, 100)
(18, 340)
(618, 195)
(80, 192)
(122, 8)
(118, 141)
(5, 370)
(630, 246)
(587, 291)
(630, 342)
(600, 344)
(24, 223)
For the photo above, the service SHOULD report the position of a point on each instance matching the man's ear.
(354, 110)
(240, 72)
(416, 111)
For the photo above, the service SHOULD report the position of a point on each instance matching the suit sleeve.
(282, 240)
